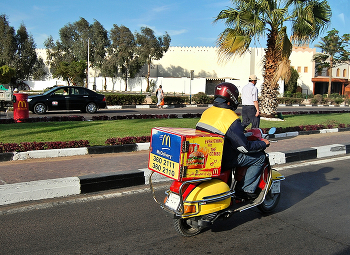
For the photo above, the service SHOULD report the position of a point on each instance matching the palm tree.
(250, 20)
(334, 52)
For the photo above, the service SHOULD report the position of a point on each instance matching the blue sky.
(189, 22)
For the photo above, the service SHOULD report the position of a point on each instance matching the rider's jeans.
(255, 161)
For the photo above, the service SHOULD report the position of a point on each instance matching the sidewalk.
(102, 169)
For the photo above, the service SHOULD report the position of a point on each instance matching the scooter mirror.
(272, 131)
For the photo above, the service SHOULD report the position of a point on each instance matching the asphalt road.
(312, 218)
(179, 111)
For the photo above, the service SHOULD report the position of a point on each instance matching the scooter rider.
(238, 151)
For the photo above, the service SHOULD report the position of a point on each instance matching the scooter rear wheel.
(270, 202)
(185, 229)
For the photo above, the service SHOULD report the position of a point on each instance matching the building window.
(299, 69)
(306, 69)
(344, 73)
(338, 72)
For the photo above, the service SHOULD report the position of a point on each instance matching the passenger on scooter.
(238, 151)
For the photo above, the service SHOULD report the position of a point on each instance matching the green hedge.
(119, 99)
(172, 99)
(289, 100)
(202, 98)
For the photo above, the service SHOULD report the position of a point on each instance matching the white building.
(340, 81)
(173, 71)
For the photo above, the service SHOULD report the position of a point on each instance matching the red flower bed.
(31, 146)
(128, 140)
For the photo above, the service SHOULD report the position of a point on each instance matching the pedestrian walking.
(250, 104)
(160, 97)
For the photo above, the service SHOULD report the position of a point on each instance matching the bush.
(128, 140)
(175, 100)
(335, 95)
(338, 100)
(318, 99)
(202, 98)
(31, 146)
(287, 94)
(299, 95)
(171, 99)
(120, 99)
(295, 95)
(289, 100)
(45, 119)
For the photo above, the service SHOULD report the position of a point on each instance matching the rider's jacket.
(221, 119)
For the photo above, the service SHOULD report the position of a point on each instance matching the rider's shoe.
(245, 195)
(251, 196)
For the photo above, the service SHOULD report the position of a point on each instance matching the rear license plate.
(173, 201)
(276, 187)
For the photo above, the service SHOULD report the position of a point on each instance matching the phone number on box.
(164, 166)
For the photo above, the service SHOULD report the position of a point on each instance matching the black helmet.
(229, 92)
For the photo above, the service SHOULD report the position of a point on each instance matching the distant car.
(67, 98)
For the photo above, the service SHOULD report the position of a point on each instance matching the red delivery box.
(184, 153)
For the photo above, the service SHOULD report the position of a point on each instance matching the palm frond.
(232, 43)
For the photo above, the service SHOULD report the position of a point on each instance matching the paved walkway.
(37, 179)
(52, 168)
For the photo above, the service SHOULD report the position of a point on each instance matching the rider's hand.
(266, 141)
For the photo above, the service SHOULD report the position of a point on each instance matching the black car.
(67, 98)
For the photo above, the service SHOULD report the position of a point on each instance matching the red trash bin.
(21, 107)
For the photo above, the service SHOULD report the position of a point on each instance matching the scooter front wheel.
(185, 229)
(270, 202)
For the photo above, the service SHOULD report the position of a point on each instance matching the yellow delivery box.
(184, 153)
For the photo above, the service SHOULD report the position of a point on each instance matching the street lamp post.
(88, 60)
(191, 78)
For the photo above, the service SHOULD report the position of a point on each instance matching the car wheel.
(91, 107)
(39, 108)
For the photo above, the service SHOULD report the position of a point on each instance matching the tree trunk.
(268, 103)
(126, 82)
(148, 73)
(330, 76)
(126, 75)
(113, 82)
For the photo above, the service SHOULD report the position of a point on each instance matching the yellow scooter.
(201, 193)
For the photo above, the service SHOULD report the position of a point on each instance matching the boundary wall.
(172, 71)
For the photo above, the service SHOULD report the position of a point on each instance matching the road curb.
(208, 105)
(9, 156)
(37, 190)
(54, 188)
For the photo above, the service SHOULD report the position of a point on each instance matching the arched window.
(338, 72)
(344, 73)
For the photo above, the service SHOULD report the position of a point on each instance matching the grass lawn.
(97, 132)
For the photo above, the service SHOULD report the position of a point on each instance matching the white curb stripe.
(143, 146)
(330, 150)
(317, 162)
(277, 158)
(156, 177)
(50, 153)
(36, 190)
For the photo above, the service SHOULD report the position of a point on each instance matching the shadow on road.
(294, 189)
